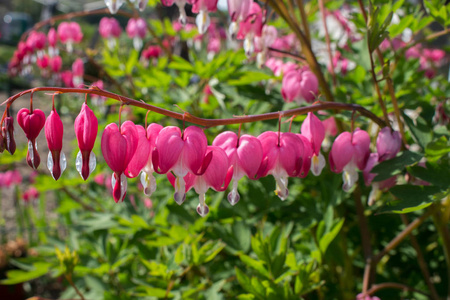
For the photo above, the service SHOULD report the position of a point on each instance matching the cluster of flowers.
(189, 162)
(42, 50)
(430, 59)
(10, 178)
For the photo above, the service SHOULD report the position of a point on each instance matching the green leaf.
(437, 174)
(411, 198)
(19, 276)
(157, 292)
(395, 166)
(250, 77)
(420, 130)
(329, 236)
(132, 61)
(255, 264)
(180, 64)
(436, 149)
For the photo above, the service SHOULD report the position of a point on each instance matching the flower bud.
(32, 124)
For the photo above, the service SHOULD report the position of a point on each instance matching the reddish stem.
(207, 122)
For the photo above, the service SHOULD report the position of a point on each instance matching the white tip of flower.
(249, 47)
(202, 210)
(62, 162)
(31, 153)
(114, 5)
(202, 20)
(69, 47)
(149, 183)
(123, 184)
(261, 59)
(137, 43)
(350, 177)
(374, 194)
(233, 197)
(281, 187)
(317, 164)
(233, 29)
(179, 197)
(79, 163)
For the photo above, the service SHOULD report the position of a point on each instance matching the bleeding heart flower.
(54, 131)
(118, 147)
(78, 72)
(388, 143)
(202, 7)
(109, 28)
(377, 187)
(217, 176)
(251, 27)
(238, 10)
(313, 129)
(148, 181)
(32, 124)
(284, 153)
(8, 135)
(181, 154)
(299, 85)
(180, 4)
(349, 153)
(307, 156)
(69, 33)
(245, 155)
(262, 43)
(86, 127)
(136, 30)
(55, 63)
(140, 157)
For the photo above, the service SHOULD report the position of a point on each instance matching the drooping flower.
(238, 10)
(388, 143)
(148, 181)
(114, 5)
(181, 153)
(245, 155)
(313, 129)
(251, 27)
(54, 131)
(69, 33)
(55, 63)
(262, 43)
(377, 187)
(110, 29)
(78, 72)
(140, 157)
(86, 127)
(136, 30)
(32, 123)
(299, 85)
(307, 156)
(284, 153)
(350, 151)
(118, 147)
(30, 194)
(8, 135)
(203, 7)
(217, 176)
(52, 37)
(180, 4)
